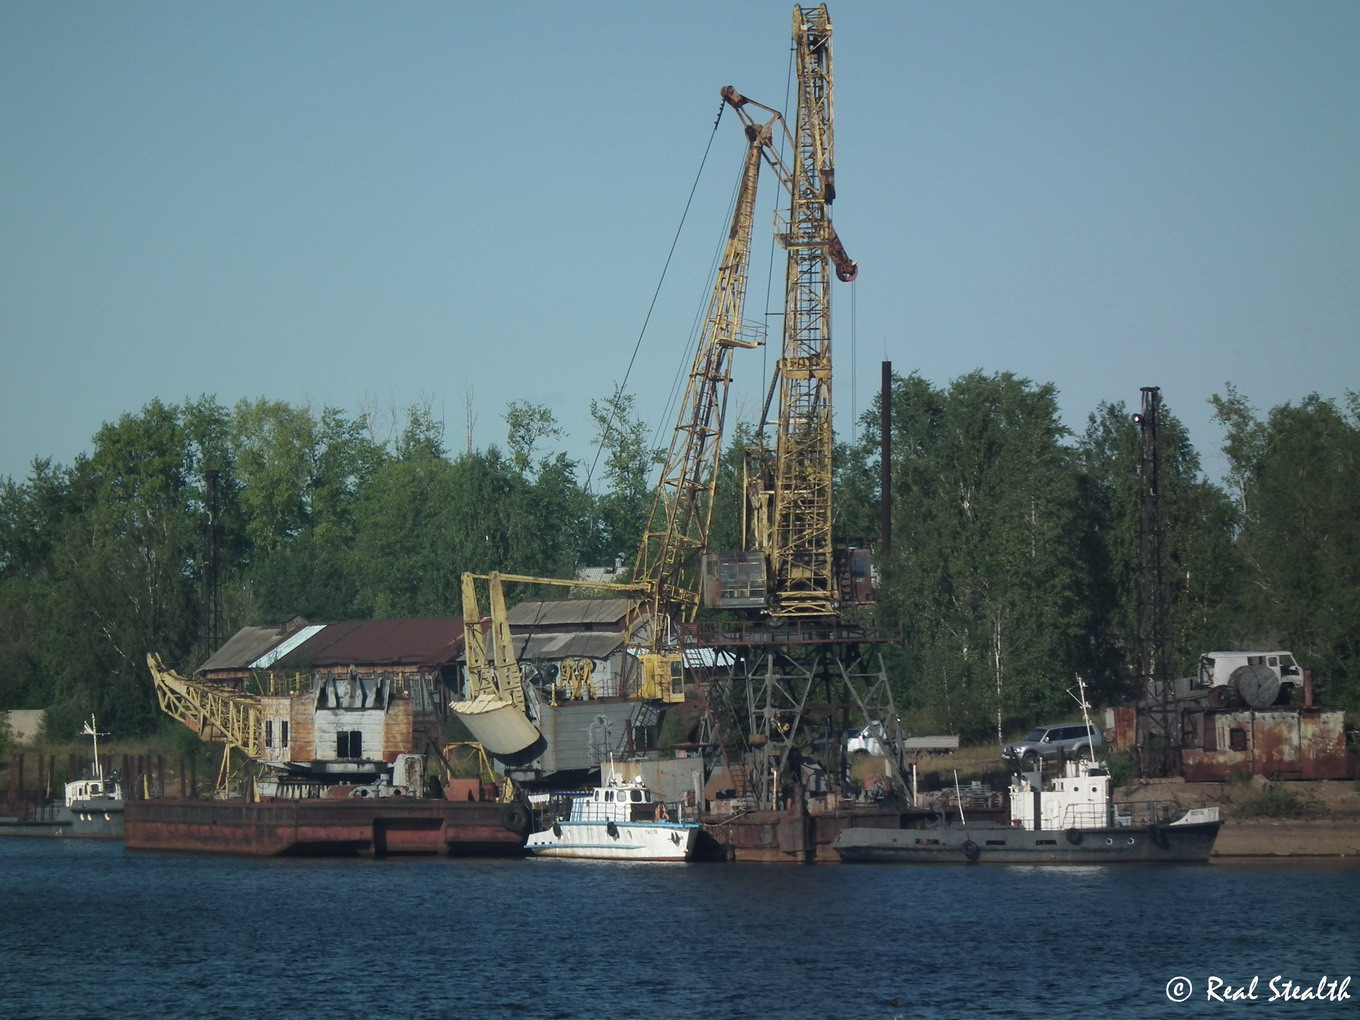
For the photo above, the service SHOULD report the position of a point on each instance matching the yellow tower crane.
(789, 487)
(788, 484)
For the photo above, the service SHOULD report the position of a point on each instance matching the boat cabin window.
(637, 796)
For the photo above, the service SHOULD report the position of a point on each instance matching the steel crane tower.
(791, 682)
(791, 484)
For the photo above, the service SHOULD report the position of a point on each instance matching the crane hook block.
(846, 268)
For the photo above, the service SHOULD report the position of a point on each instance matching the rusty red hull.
(365, 827)
(796, 837)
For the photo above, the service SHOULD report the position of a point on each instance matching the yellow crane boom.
(682, 506)
(218, 716)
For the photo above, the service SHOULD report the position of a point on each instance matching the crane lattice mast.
(790, 487)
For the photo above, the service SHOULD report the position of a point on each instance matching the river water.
(89, 930)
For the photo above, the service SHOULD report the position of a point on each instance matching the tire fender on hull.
(515, 817)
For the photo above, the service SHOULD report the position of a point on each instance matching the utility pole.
(1159, 737)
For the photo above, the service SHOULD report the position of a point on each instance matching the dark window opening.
(644, 737)
(349, 744)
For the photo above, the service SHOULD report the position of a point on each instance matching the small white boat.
(92, 805)
(617, 821)
(95, 801)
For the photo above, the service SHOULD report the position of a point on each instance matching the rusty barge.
(354, 826)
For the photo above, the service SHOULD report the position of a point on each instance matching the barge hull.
(1192, 843)
(376, 827)
(793, 836)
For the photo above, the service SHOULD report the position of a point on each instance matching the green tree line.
(103, 561)
(1012, 570)
(1013, 564)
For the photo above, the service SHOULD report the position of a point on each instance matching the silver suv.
(1045, 742)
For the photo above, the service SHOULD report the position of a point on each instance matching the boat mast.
(93, 732)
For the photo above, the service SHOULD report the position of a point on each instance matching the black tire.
(557, 829)
(1074, 836)
(515, 817)
(1083, 754)
(971, 851)
(1029, 762)
(1157, 836)
(612, 829)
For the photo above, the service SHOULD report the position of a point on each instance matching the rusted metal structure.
(1158, 747)
(212, 560)
(1257, 713)
(1249, 713)
(777, 703)
(379, 827)
(1285, 742)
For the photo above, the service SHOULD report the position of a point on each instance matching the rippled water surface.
(88, 929)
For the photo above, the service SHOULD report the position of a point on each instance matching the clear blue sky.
(374, 205)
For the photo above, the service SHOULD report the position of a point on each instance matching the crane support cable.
(651, 307)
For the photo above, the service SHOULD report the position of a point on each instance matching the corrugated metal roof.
(287, 645)
(591, 644)
(421, 641)
(424, 641)
(569, 613)
(247, 645)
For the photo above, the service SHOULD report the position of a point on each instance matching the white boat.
(617, 821)
(91, 807)
(95, 801)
